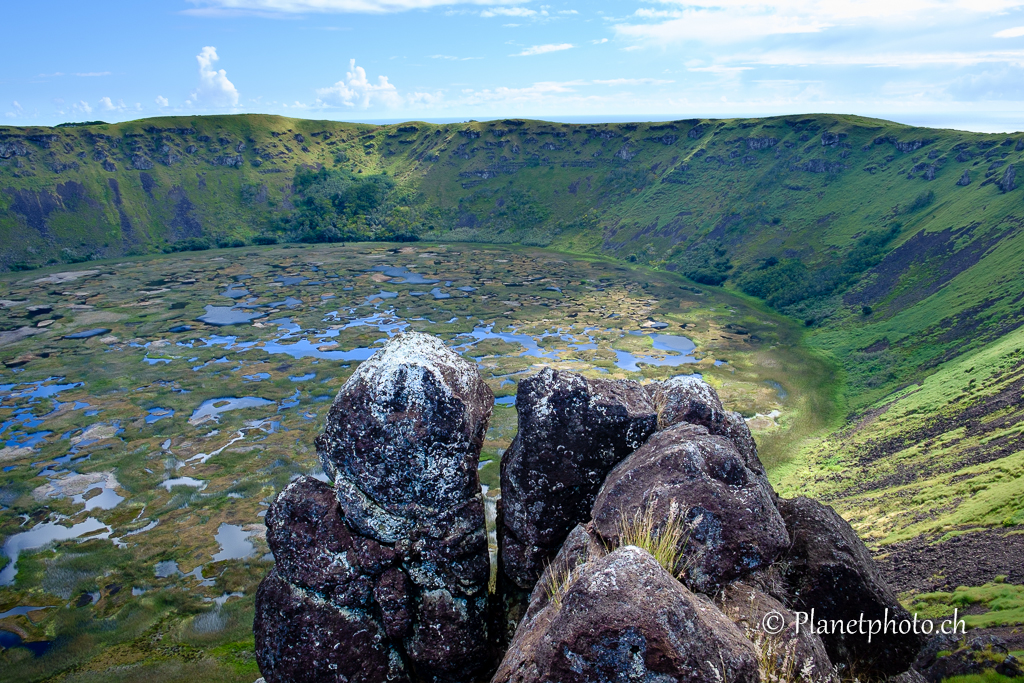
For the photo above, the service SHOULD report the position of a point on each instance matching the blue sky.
(950, 63)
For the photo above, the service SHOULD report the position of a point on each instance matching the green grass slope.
(867, 230)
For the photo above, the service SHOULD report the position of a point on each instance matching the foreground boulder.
(689, 399)
(315, 618)
(831, 571)
(793, 653)
(572, 432)
(403, 556)
(622, 617)
(684, 474)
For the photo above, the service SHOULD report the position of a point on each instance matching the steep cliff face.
(904, 236)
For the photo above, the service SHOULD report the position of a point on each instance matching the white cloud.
(544, 49)
(356, 91)
(106, 104)
(214, 87)
(713, 26)
(82, 107)
(885, 59)
(632, 81)
(17, 110)
(600, 41)
(92, 74)
(279, 7)
(720, 69)
(1015, 32)
(161, 101)
(731, 21)
(509, 12)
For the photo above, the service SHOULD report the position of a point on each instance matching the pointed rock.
(572, 432)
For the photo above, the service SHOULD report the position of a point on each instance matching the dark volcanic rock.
(315, 620)
(733, 527)
(572, 432)
(692, 400)
(798, 650)
(624, 618)
(402, 444)
(403, 437)
(301, 638)
(965, 179)
(313, 548)
(687, 399)
(830, 571)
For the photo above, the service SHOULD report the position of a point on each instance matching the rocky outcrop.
(686, 473)
(831, 571)
(572, 432)
(316, 617)
(1009, 179)
(402, 445)
(622, 617)
(382, 574)
(761, 143)
(141, 163)
(965, 179)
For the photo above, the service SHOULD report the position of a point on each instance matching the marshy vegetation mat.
(151, 408)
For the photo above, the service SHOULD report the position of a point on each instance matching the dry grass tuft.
(666, 543)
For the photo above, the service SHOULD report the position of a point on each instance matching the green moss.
(1003, 604)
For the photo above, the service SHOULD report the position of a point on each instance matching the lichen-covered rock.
(572, 432)
(315, 618)
(831, 571)
(691, 400)
(687, 398)
(622, 617)
(402, 440)
(795, 651)
(732, 525)
(398, 543)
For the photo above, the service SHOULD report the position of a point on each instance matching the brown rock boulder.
(398, 544)
(315, 619)
(689, 399)
(732, 527)
(572, 432)
(831, 571)
(623, 618)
